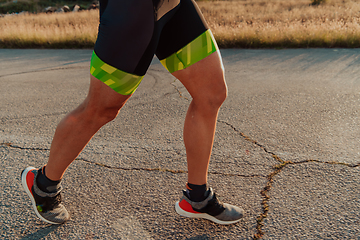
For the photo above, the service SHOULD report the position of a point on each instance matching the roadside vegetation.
(57, 30)
(235, 24)
(36, 6)
(284, 24)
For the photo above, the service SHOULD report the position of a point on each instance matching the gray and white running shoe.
(47, 206)
(211, 208)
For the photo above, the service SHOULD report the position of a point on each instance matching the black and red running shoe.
(47, 206)
(211, 208)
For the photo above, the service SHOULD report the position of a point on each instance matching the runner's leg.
(123, 51)
(188, 50)
(205, 82)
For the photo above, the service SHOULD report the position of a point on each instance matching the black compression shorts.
(132, 31)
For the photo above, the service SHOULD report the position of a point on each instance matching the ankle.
(197, 193)
(45, 184)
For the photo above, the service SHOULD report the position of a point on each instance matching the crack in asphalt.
(10, 145)
(41, 70)
(270, 178)
(352, 165)
(32, 116)
(247, 138)
(265, 192)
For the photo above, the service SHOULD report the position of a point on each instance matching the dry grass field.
(284, 23)
(59, 30)
(241, 23)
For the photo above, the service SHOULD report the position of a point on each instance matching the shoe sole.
(184, 213)
(28, 191)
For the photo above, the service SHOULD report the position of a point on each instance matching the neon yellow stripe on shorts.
(120, 81)
(196, 50)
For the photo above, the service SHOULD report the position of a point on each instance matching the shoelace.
(54, 201)
(48, 203)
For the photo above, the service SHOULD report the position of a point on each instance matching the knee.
(102, 114)
(220, 94)
(217, 92)
(93, 115)
(212, 98)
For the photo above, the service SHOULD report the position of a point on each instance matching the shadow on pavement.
(41, 233)
(201, 237)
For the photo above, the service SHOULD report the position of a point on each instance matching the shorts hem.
(118, 80)
(193, 52)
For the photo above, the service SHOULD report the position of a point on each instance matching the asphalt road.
(286, 148)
